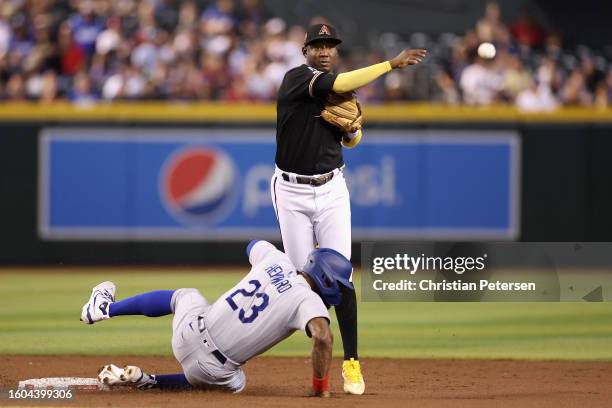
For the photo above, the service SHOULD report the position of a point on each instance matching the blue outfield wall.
(214, 184)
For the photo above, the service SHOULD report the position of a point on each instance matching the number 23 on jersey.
(256, 308)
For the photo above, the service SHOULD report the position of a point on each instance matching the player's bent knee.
(234, 383)
(180, 294)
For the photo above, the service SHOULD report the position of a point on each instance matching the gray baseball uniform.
(271, 302)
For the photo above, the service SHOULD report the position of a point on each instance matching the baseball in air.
(486, 50)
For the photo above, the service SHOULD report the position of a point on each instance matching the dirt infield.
(281, 382)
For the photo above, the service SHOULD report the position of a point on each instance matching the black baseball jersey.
(305, 143)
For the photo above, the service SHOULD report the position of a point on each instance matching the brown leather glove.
(343, 111)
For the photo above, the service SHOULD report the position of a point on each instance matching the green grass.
(39, 314)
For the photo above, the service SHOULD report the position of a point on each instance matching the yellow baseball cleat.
(353, 380)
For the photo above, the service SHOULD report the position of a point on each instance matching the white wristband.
(353, 135)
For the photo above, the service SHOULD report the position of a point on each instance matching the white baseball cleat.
(112, 375)
(353, 380)
(97, 308)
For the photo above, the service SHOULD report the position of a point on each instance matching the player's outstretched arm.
(349, 81)
(322, 344)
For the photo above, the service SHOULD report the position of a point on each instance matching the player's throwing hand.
(408, 57)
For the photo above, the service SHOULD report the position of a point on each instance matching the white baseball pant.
(193, 347)
(310, 215)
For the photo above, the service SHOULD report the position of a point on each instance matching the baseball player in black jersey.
(308, 188)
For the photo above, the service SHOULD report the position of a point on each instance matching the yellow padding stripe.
(210, 112)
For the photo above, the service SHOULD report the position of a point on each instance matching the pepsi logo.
(199, 185)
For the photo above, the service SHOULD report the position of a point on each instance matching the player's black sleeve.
(307, 82)
(322, 85)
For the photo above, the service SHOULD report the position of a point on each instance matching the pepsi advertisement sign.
(214, 184)
(199, 185)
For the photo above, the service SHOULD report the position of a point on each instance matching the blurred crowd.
(531, 68)
(87, 51)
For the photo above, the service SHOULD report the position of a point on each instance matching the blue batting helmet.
(327, 268)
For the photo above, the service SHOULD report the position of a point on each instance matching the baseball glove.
(343, 111)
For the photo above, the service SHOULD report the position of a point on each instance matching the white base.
(65, 383)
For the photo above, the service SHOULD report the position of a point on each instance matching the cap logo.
(324, 30)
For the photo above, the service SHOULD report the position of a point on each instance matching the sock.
(152, 304)
(346, 312)
(171, 381)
